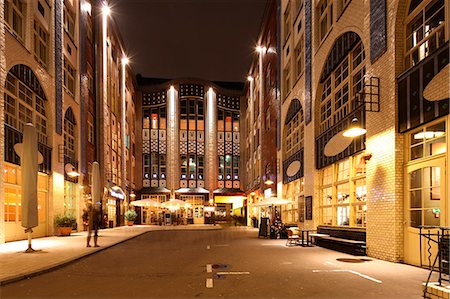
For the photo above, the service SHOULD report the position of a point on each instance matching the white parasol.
(97, 189)
(272, 201)
(145, 203)
(175, 204)
(29, 163)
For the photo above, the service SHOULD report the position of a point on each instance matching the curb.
(62, 264)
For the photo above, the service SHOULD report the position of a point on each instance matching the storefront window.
(13, 194)
(343, 193)
(70, 198)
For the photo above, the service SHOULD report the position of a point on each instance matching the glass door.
(425, 204)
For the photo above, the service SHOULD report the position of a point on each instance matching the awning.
(117, 192)
(229, 192)
(192, 191)
(154, 190)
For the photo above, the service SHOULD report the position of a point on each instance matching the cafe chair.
(293, 239)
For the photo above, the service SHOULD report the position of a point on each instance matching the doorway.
(425, 204)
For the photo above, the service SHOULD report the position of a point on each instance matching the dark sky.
(208, 39)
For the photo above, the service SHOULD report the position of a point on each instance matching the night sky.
(208, 39)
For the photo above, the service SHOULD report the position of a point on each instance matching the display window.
(343, 193)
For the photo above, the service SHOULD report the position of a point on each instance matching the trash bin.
(111, 224)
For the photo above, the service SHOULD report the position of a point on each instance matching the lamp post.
(125, 62)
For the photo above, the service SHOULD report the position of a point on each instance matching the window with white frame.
(425, 29)
(299, 57)
(22, 106)
(343, 193)
(325, 13)
(69, 23)
(294, 134)
(341, 87)
(14, 17)
(69, 134)
(287, 78)
(69, 77)
(41, 41)
(287, 22)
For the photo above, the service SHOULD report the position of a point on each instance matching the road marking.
(286, 263)
(209, 283)
(282, 245)
(330, 263)
(208, 247)
(233, 273)
(208, 268)
(222, 245)
(353, 272)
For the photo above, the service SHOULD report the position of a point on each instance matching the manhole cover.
(220, 266)
(350, 260)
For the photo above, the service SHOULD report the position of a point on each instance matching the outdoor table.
(308, 240)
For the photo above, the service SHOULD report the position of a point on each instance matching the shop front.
(115, 207)
(196, 199)
(229, 206)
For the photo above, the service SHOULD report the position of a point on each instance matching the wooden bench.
(348, 240)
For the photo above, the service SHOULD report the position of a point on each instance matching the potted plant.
(130, 217)
(65, 223)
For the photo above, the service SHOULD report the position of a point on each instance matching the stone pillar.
(173, 148)
(211, 169)
(2, 120)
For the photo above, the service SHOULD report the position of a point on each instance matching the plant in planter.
(65, 223)
(130, 216)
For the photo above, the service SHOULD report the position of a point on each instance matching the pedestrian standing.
(94, 223)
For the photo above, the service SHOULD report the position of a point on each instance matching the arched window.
(25, 101)
(425, 29)
(70, 126)
(342, 80)
(294, 129)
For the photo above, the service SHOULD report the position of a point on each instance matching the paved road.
(173, 264)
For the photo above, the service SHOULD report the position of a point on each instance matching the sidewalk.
(53, 252)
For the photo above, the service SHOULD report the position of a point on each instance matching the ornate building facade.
(190, 132)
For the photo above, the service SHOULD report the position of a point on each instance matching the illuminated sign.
(117, 194)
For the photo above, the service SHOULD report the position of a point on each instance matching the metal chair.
(293, 239)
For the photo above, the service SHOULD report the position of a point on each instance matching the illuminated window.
(425, 29)
(343, 193)
(341, 87)
(70, 134)
(428, 141)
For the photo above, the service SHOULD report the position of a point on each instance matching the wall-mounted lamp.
(355, 129)
(428, 135)
(71, 171)
(268, 182)
(132, 195)
(249, 78)
(261, 49)
(252, 193)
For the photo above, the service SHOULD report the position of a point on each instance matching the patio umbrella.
(97, 189)
(272, 201)
(145, 203)
(29, 163)
(175, 204)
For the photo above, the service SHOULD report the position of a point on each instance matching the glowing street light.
(355, 130)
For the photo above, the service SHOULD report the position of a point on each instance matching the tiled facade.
(364, 186)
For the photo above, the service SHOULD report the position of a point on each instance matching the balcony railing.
(13, 136)
(432, 238)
